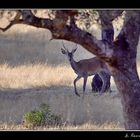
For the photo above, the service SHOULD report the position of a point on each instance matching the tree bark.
(128, 84)
(107, 37)
(124, 70)
(97, 83)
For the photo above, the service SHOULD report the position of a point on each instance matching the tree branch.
(60, 30)
(106, 18)
(28, 18)
(109, 15)
(130, 32)
(11, 24)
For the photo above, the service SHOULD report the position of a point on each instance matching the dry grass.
(35, 75)
(85, 127)
(25, 87)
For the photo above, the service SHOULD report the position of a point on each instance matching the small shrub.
(42, 116)
(34, 118)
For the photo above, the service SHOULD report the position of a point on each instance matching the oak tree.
(118, 53)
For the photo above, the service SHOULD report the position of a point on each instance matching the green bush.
(34, 118)
(42, 116)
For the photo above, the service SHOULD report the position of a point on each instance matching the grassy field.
(33, 71)
(84, 127)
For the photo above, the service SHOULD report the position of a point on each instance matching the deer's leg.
(78, 77)
(84, 86)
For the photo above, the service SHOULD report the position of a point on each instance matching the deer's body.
(85, 68)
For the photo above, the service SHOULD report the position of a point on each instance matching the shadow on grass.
(14, 103)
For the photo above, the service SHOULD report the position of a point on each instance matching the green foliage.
(40, 117)
(34, 118)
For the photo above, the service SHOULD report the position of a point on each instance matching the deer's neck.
(74, 64)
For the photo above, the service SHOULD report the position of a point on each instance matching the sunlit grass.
(85, 127)
(26, 76)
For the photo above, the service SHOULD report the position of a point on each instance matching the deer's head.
(68, 53)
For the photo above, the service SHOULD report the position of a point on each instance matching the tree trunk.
(124, 71)
(128, 85)
(97, 82)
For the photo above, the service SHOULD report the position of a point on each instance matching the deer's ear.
(63, 51)
(73, 51)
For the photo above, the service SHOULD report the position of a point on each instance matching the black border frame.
(72, 134)
(24, 4)
(71, 4)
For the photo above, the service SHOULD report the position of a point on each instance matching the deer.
(85, 68)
